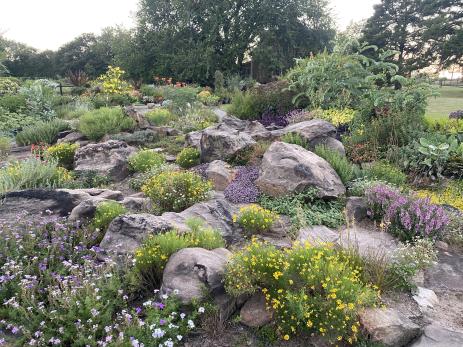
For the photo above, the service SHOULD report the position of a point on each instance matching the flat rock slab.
(446, 274)
(438, 336)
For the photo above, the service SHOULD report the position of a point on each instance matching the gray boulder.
(356, 208)
(317, 235)
(388, 327)
(106, 158)
(223, 142)
(220, 174)
(194, 273)
(72, 137)
(254, 312)
(193, 139)
(438, 336)
(329, 142)
(288, 168)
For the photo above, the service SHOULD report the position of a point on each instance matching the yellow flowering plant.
(63, 153)
(145, 160)
(176, 191)
(188, 157)
(452, 195)
(338, 117)
(310, 289)
(112, 83)
(255, 219)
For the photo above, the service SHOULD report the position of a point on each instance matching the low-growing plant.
(32, 173)
(105, 212)
(63, 153)
(383, 171)
(194, 118)
(152, 256)
(13, 103)
(5, 147)
(98, 123)
(340, 163)
(451, 195)
(295, 139)
(41, 132)
(171, 144)
(176, 191)
(358, 186)
(306, 209)
(405, 216)
(207, 98)
(255, 219)
(144, 160)
(338, 117)
(160, 116)
(310, 289)
(188, 157)
(243, 189)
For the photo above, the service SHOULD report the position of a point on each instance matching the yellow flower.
(286, 337)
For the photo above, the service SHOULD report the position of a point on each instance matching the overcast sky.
(47, 24)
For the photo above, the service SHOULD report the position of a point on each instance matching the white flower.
(182, 315)
(158, 333)
(201, 310)
(165, 296)
(179, 337)
(191, 325)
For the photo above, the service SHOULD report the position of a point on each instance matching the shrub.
(180, 97)
(137, 182)
(97, 123)
(359, 186)
(146, 159)
(63, 153)
(208, 99)
(9, 85)
(306, 209)
(338, 162)
(39, 96)
(295, 139)
(450, 126)
(195, 118)
(112, 83)
(272, 117)
(139, 138)
(176, 191)
(13, 103)
(243, 188)
(32, 173)
(153, 255)
(338, 117)
(188, 157)
(11, 122)
(310, 289)
(41, 132)
(383, 171)
(255, 219)
(5, 147)
(404, 216)
(160, 116)
(105, 212)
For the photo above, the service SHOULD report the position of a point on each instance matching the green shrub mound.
(100, 122)
(145, 160)
(188, 158)
(41, 132)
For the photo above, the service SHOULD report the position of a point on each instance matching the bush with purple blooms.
(243, 188)
(456, 114)
(272, 117)
(405, 216)
(298, 115)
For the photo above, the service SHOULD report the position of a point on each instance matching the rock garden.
(322, 209)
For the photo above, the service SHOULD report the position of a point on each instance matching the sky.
(48, 24)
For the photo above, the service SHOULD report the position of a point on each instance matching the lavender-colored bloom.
(456, 114)
(243, 188)
(272, 117)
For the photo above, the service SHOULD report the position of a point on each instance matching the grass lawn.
(450, 99)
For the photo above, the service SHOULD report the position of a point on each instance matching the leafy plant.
(340, 163)
(39, 96)
(386, 172)
(160, 116)
(338, 117)
(5, 147)
(78, 78)
(176, 191)
(207, 98)
(9, 85)
(436, 155)
(188, 157)
(41, 132)
(295, 139)
(112, 83)
(310, 289)
(255, 219)
(144, 160)
(195, 117)
(97, 123)
(63, 153)
(13, 103)
(105, 212)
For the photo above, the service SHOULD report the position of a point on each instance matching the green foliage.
(338, 117)
(208, 99)
(160, 117)
(152, 256)
(63, 153)
(9, 85)
(13, 103)
(194, 117)
(385, 172)
(172, 144)
(39, 96)
(112, 82)
(138, 181)
(97, 123)
(105, 212)
(339, 163)
(219, 81)
(311, 289)
(9, 122)
(180, 97)
(41, 132)
(146, 159)
(88, 179)
(295, 139)
(188, 157)
(32, 173)
(5, 147)
(176, 191)
(255, 219)
(306, 209)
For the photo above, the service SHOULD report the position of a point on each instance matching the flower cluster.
(63, 153)
(105, 212)
(145, 160)
(404, 215)
(338, 117)
(272, 117)
(298, 115)
(176, 191)
(456, 114)
(243, 188)
(310, 289)
(452, 195)
(188, 157)
(255, 219)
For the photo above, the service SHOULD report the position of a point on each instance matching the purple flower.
(243, 188)
(271, 116)
(162, 321)
(138, 310)
(159, 305)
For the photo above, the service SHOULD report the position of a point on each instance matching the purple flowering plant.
(456, 114)
(243, 188)
(406, 216)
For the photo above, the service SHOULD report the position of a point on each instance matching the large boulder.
(317, 235)
(388, 326)
(255, 313)
(106, 158)
(194, 273)
(436, 335)
(223, 142)
(288, 168)
(220, 174)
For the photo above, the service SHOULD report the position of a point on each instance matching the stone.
(317, 235)
(425, 298)
(127, 232)
(441, 245)
(107, 158)
(85, 211)
(222, 142)
(356, 208)
(368, 242)
(220, 174)
(388, 326)
(72, 137)
(193, 139)
(257, 131)
(254, 312)
(330, 143)
(193, 273)
(311, 130)
(446, 274)
(288, 168)
(136, 203)
(435, 335)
